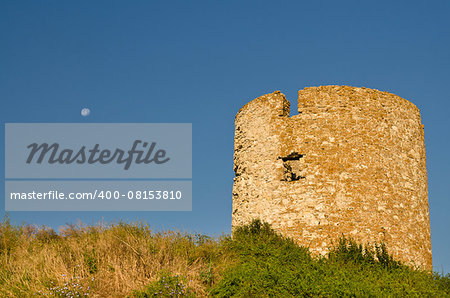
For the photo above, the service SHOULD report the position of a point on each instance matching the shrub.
(272, 265)
(347, 250)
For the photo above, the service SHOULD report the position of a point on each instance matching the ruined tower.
(351, 162)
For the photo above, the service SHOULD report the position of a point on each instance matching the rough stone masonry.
(351, 162)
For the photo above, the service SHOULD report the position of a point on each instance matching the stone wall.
(351, 162)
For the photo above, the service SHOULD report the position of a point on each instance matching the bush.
(272, 265)
(347, 250)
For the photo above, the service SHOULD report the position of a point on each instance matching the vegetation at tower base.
(273, 265)
(122, 259)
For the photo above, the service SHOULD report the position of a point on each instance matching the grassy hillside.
(129, 259)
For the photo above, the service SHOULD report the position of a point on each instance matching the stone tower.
(351, 162)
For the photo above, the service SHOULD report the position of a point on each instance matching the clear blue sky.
(200, 61)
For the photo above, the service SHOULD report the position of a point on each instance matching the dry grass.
(102, 261)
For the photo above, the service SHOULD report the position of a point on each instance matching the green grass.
(131, 260)
(272, 265)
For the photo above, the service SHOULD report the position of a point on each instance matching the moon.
(85, 112)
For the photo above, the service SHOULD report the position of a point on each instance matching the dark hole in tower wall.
(292, 167)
